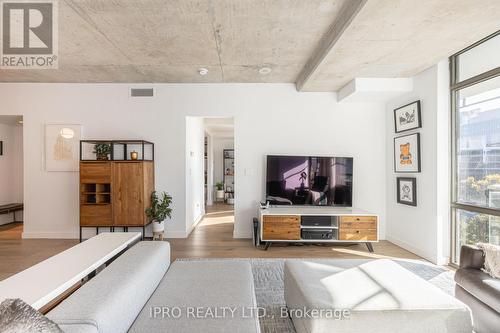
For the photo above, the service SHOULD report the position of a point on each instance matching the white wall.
(11, 168)
(424, 229)
(195, 151)
(269, 119)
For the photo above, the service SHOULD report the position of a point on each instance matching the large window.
(475, 88)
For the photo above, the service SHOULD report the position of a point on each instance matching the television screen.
(308, 180)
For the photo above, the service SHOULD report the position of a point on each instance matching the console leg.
(268, 245)
(80, 234)
(370, 247)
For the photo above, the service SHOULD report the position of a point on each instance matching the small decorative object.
(159, 210)
(407, 191)
(220, 190)
(407, 117)
(61, 147)
(407, 153)
(102, 151)
(134, 155)
(1, 148)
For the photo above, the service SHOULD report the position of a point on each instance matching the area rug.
(268, 283)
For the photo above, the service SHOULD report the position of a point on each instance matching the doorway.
(11, 177)
(210, 174)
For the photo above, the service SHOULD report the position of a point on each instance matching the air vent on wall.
(140, 92)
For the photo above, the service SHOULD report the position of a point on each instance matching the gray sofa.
(135, 292)
(478, 290)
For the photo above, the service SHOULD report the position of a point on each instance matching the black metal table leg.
(268, 245)
(143, 232)
(80, 234)
(370, 247)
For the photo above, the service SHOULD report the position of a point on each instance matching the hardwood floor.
(11, 230)
(212, 238)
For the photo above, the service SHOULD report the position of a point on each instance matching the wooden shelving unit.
(116, 193)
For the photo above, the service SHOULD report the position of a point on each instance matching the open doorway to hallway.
(210, 161)
(11, 177)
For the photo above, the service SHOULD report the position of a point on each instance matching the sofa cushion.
(480, 285)
(193, 294)
(113, 298)
(378, 296)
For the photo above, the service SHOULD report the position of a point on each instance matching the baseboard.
(431, 257)
(50, 235)
(198, 220)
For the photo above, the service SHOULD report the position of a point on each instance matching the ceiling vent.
(140, 92)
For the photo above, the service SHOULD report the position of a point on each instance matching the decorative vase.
(134, 155)
(158, 226)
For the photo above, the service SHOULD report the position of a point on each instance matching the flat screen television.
(309, 180)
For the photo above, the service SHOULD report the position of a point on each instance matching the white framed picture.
(62, 145)
(407, 153)
(407, 117)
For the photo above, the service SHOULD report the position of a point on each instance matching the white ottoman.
(378, 296)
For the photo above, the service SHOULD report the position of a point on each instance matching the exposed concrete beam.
(347, 14)
(374, 89)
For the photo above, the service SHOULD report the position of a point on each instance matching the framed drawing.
(62, 143)
(407, 153)
(407, 191)
(407, 117)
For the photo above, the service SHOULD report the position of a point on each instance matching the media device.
(319, 221)
(316, 234)
(309, 180)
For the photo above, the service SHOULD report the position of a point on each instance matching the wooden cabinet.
(318, 225)
(115, 194)
(281, 227)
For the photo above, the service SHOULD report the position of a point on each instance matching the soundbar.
(319, 221)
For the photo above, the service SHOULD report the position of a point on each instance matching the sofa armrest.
(471, 257)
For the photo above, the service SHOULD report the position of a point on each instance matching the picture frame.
(407, 154)
(62, 147)
(408, 117)
(407, 191)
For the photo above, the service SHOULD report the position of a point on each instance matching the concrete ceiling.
(320, 44)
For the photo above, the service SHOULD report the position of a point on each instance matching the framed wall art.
(407, 191)
(407, 153)
(62, 144)
(407, 117)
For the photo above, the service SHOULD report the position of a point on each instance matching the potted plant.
(220, 190)
(159, 210)
(102, 150)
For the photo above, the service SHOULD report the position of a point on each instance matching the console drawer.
(280, 227)
(358, 234)
(358, 225)
(96, 215)
(354, 218)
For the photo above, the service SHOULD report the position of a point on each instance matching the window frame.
(455, 87)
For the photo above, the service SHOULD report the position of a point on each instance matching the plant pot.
(220, 194)
(230, 201)
(158, 226)
(102, 157)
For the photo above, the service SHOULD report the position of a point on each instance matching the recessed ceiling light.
(265, 70)
(202, 71)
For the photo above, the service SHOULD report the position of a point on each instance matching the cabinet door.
(277, 227)
(128, 198)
